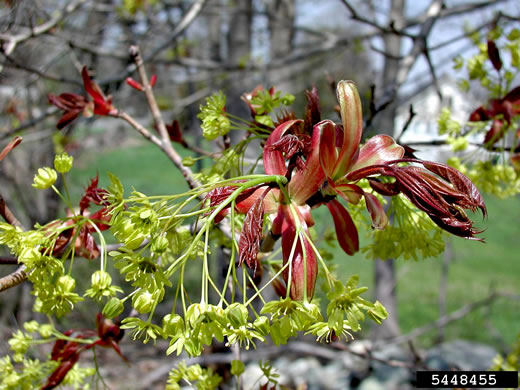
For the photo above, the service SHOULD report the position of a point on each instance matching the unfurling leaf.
(10, 146)
(249, 243)
(93, 194)
(494, 55)
(346, 231)
(312, 110)
(376, 210)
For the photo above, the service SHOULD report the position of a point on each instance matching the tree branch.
(18, 276)
(443, 321)
(11, 41)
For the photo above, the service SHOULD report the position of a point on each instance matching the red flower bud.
(134, 84)
(153, 80)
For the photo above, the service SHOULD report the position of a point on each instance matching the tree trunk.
(281, 27)
(239, 53)
(385, 280)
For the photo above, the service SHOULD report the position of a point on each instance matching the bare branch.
(164, 143)
(443, 321)
(14, 279)
(431, 67)
(18, 65)
(454, 10)
(18, 276)
(441, 142)
(8, 260)
(411, 115)
(7, 214)
(11, 41)
(49, 112)
(190, 16)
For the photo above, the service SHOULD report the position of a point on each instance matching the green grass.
(144, 168)
(475, 268)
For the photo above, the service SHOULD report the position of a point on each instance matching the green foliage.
(63, 162)
(265, 102)
(237, 367)
(24, 373)
(495, 178)
(215, 122)
(493, 173)
(160, 239)
(511, 362)
(45, 178)
(446, 125)
(410, 235)
(194, 375)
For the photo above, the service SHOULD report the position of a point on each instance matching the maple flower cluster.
(323, 163)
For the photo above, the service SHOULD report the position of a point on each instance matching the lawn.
(475, 268)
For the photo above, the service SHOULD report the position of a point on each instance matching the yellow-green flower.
(45, 178)
(63, 162)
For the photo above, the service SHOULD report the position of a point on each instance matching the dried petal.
(86, 246)
(350, 192)
(175, 133)
(480, 114)
(60, 372)
(102, 103)
(513, 96)
(302, 259)
(303, 263)
(289, 145)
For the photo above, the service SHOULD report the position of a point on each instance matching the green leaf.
(237, 368)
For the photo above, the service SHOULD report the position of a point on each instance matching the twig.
(382, 29)
(411, 115)
(14, 279)
(368, 354)
(8, 260)
(431, 67)
(18, 276)
(187, 19)
(164, 143)
(443, 321)
(6, 213)
(18, 65)
(441, 142)
(11, 41)
(30, 123)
